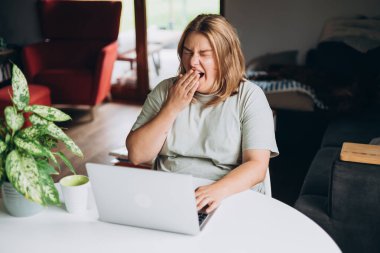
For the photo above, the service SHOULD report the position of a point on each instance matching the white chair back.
(264, 187)
(267, 185)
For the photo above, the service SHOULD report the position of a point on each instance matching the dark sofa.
(344, 197)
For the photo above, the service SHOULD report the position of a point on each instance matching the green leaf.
(23, 174)
(3, 146)
(34, 148)
(2, 172)
(66, 161)
(70, 145)
(46, 167)
(3, 129)
(48, 141)
(14, 120)
(20, 88)
(30, 146)
(57, 133)
(32, 132)
(48, 113)
(7, 138)
(49, 192)
(37, 120)
(50, 155)
(54, 131)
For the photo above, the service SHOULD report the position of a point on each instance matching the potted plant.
(28, 155)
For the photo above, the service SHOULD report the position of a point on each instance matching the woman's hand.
(245, 176)
(210, 196)
(182, 92)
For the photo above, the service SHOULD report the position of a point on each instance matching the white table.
(246, 222)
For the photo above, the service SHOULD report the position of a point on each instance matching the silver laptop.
(147, 198)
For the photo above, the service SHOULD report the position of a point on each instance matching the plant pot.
(15, 204)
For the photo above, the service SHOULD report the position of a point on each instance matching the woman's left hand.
(210, 196)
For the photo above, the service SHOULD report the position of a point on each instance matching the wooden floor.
(107, 131)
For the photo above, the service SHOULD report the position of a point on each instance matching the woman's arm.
(145, 143)
(251, 172)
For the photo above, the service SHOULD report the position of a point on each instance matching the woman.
(208, 122)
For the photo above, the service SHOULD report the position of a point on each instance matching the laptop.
(147, 198)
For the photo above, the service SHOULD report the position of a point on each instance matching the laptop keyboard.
(202, 217)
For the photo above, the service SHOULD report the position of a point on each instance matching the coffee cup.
(75, 191)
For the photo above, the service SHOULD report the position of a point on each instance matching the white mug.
(75, 191)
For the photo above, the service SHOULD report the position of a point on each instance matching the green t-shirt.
(207, 142)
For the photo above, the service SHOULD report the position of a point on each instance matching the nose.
(194, 60)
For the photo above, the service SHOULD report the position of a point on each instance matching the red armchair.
(80, 47)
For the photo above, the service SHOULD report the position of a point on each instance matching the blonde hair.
(226, 46)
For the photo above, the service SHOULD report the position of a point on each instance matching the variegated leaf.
(45, 166)
(34, 148)
(37, 120)
(23, 174)
(49, 192)
(7, 138)
(48, 141)
(66, 161)
(54, 131)
(3, 146)
(48, 113)
(3, 129)
(57, 133)
(32, 132)
(30, 147)
(2, 172)
(14, 120)
(20, 88)
(70, 145)
(50, 155)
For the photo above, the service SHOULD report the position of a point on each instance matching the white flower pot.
(16, 204)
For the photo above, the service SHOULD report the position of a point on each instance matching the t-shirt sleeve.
(152, 104)
(257, 122)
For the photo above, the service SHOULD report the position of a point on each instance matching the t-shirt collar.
(204, 98)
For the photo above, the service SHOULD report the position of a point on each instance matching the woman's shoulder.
(249, 88)
(165, 84)
(162, 87)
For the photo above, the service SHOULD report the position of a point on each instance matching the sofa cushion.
(350, 212)
(317, 179)
(355, 186)
(60, 82)
(315, 207)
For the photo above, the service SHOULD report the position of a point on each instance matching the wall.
(266, 26)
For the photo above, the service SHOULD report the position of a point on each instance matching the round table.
(245, 222)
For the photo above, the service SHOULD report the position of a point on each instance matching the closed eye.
(206, 53)
(187, 51)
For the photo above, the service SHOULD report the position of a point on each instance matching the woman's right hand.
(182, 92)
